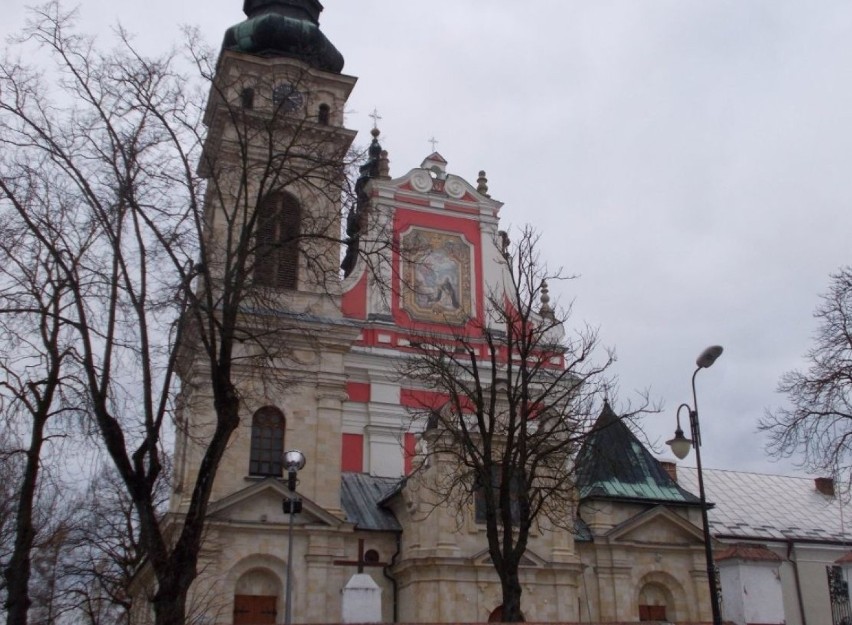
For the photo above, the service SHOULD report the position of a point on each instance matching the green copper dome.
(288, 28)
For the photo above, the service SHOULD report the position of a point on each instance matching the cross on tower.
(434, 143)
(376, 117)
(362, 560)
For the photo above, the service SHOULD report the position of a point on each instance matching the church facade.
(336, 394)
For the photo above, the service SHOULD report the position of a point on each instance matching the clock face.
(287, 97)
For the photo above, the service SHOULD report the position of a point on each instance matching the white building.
(782, 547)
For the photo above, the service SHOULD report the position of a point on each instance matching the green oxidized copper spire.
(288, 28)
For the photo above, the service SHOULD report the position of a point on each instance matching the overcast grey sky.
(689, 159)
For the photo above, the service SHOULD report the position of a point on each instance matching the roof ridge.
(738, 472)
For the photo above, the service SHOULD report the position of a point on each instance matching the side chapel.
(636, 553)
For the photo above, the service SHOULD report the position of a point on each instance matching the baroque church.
(636, 553)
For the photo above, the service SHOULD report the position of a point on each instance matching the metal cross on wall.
(363, 558)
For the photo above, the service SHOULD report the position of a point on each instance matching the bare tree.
(173, 272)
(50, 516)
(520, 395)
(35, 384)
(47, 578)
(817, 423)
(85, 552)
(102, 552)
(10, 472)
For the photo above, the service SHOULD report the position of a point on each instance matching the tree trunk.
(18, 570)
(170, 613)
(511, 586)
(176, 574)
(170, 601)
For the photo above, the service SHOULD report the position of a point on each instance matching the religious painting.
(437, 276)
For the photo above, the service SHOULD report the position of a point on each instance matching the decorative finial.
(434, 143)
(505, 243)
(384, 165)
(545, 310)
(376, 117)
(482, 184)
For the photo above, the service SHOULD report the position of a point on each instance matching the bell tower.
(276, 145)
(274, 160)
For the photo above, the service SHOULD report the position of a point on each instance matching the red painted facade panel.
(409, 444)
(352, 456)
(358, 392)
(419, 399)
(354, 301)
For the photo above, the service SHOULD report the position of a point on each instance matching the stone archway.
(655, 603)
(660, 597)
(257, 597)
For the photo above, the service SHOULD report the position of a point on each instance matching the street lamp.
(680, 447)
(293, 461)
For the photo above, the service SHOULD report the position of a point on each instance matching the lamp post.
(293, 461)
(680, 447)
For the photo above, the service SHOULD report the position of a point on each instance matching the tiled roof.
(774, 507)
(360, 495)
(613, 464)
(846, 559)
(747, 551)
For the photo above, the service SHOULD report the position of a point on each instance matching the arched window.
(371, 556)
(247, 98)
(267, 442)
(279, 222)
(324, 114)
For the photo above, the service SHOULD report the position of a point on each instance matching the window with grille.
(267, 442)
(279, 223)
(838, 592)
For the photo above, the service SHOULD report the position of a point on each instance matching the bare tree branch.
(513, 400)
(149, 206)
(818, 422)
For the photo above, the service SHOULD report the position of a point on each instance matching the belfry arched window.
(279, 223)
(324, 114)
(267, 442)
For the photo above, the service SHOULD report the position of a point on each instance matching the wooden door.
(652, 613)
(254, 610)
